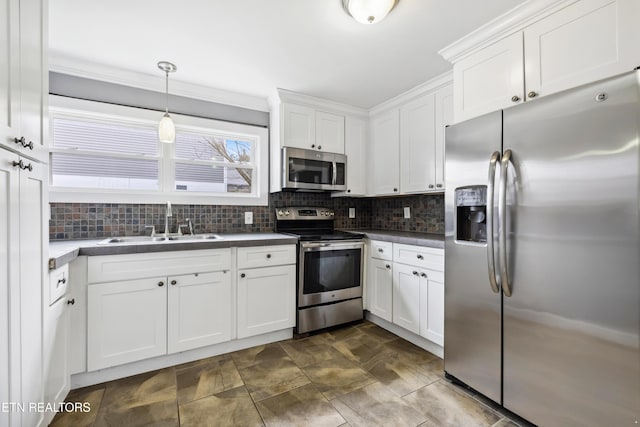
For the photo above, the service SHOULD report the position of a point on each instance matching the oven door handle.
(315, 245)
(322, 246)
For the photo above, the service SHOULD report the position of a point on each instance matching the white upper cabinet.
(299, 126)
(490, 79)
(417, 145)
(584, 42)
(305, 127)
(541, 48)
(385, 139)
(329, 132)
(355, 146)
(23, 78)
(444, 117)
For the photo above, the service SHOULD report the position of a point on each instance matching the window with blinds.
(97, 154)
(111, 154)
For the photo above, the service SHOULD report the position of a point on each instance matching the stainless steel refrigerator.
(542, 256)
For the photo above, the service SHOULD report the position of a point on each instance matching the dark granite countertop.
(63, 252)
(406, 237)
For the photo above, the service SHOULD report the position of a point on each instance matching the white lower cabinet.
(406, 297)
(199, 310)
(56, 352)
(405, 286)
(432, 306)
(127, 321)
(380, 288)
(266, 299)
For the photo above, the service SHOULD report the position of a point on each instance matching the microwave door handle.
(335, 172)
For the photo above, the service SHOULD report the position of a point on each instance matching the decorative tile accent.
(101, 220)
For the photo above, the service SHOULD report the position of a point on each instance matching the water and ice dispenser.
(471, 214)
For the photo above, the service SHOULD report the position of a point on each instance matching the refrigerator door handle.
(493, 281)
(502, 218)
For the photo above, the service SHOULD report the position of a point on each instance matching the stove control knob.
(322, 213)
(331, 213)
(280, 212)
(287, 212)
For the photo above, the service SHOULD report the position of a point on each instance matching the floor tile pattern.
(358, 375)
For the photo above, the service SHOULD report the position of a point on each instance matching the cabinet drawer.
(431, 258)
(265, 256)
(381, 250)
(109, 268)
(58, 283)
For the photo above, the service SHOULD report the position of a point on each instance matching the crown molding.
(91, 70)
(284, 95)
(506, 24)
(423, 88)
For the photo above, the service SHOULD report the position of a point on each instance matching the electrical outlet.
(248, 218)
(352, 212)
(407, 212)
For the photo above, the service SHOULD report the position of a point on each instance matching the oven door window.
(326, 271)
(310, 171)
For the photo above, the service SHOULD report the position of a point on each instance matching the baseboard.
(421, 342)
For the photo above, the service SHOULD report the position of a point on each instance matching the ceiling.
(254, 46)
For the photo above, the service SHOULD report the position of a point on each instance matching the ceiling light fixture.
(368, 11)
(166, 128)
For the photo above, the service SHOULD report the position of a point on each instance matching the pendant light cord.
(167, 92)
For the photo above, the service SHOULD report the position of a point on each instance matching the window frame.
(74, 108)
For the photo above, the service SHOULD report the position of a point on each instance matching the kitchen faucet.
(169, 213)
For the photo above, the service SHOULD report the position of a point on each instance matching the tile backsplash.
(98, 220)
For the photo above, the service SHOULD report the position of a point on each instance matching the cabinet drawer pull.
(439, 185)
(395, 189)
(173, 282)
(243, 275)
(515, 98)
(268, 256)
(62, 281)
(71, 301)
(380, 250)
(419, 256)
(160, 284)
(415, 273)
(532, 94)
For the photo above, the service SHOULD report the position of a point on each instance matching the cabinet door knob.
(20, 140)
(319, 147)
(415, 273)
(348, 191)
(439, 185)
(388, 267)
(313, 145)
(423, 275)
(173, 282)
(380, 250)
(243, 275)
(268, 256)
(18, 163)
(395, 189)
(71, 301)
(160, 284)
(62, 281)
(430, 185)
(532, 94)
(419, 256)
(515, 98)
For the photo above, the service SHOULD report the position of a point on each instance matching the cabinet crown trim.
(320, 104)
(508, 23)
(431, 85)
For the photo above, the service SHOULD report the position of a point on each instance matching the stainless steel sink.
(150, 239)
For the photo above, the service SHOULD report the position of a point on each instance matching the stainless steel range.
(330, 268)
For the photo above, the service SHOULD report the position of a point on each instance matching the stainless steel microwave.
(313, 170)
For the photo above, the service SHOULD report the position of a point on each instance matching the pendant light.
(368, 11)
(166, 127)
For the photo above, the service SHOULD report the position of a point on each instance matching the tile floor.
(360, 375)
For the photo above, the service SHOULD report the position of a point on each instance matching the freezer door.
(472, 308)
(571, 325)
